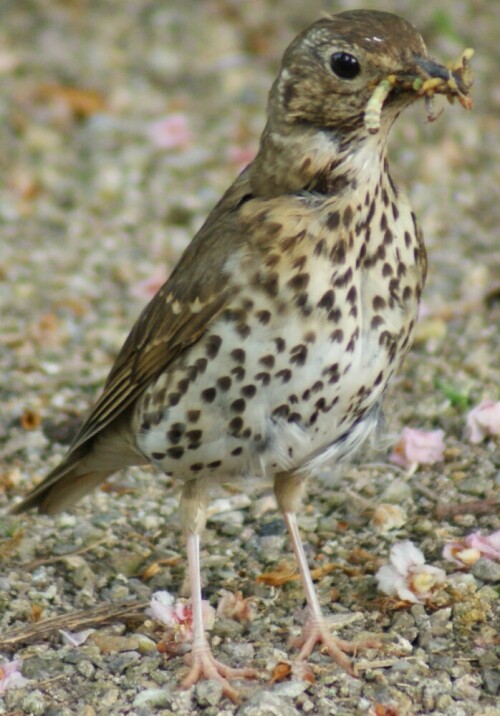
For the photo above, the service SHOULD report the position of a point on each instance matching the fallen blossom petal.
(404, 555)
(418, 447)
(387, 517)
(391, 582)
(235, 606)
(75, 638)
(171, 132)
(161, 608)
(424, 578)
(407, 575)
(456, 552)
(483, 421)
(179, 615)
(11, 677)
(488, 545)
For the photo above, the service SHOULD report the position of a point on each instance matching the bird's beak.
(428, 69)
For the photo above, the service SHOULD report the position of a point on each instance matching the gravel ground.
(95, 207)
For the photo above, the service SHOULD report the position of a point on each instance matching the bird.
(268, 350)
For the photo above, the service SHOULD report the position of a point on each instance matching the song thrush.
(268, 350)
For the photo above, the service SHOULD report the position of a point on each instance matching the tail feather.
(82, 469)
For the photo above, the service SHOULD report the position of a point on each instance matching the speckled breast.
(290, 375)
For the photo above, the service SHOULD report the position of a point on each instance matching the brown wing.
(176, 317)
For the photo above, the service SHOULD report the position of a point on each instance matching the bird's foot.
(204, 665)
(317, 631)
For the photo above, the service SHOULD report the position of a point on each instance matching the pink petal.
(161, 608)
(145, 290)
(404, 555)
(171, 132)
(240, 156)
(418, 447)
(483, 421)
(75, 638)
(11, 677)
(489, 545)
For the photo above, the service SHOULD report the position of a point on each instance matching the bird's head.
(330, 71)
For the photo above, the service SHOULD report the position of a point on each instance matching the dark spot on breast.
(235, 425)
(393, 285)
(333, 220)
(377, 321)
(327, 300)
(212, 345)
(176, 432)
(267, 361)
(407, 239)
(263, 317)
(214, 464)
(264, 377)
(347, 216)
(299, 263)
(378, 303)
(281, 412)
(407, 293)
(384, 338)
(175, 452)
(183, 385)
(344, 279)
(158, 455)
(196, 467)
(284, 374)
(237, 451)
(201, 365)
(385, 196)
(158, 398)
(193, 416)
(238, 355)
(379, 378)
(194, 436)
(174, 398)
(224, 383)
(243, 330)
(337, 254)
(298, 354)
(306, 394)
(337, 336)
(395, 211)
(208, 395)
(387, 270)
(335, 315)
(319, 248)
(388, 237)
(280, 344)
(269, 283)
(352, 295)
(238, 405)
(310, 337)
(401, 269)
(248, 391)
(272, 260)
(299, 281)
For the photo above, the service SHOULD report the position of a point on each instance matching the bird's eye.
(344, 65)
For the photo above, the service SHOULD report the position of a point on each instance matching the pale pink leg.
(203, 663)
(316, 629)
(289, 489)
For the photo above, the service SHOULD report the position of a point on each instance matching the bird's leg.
(289, 489)
(203, 664)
